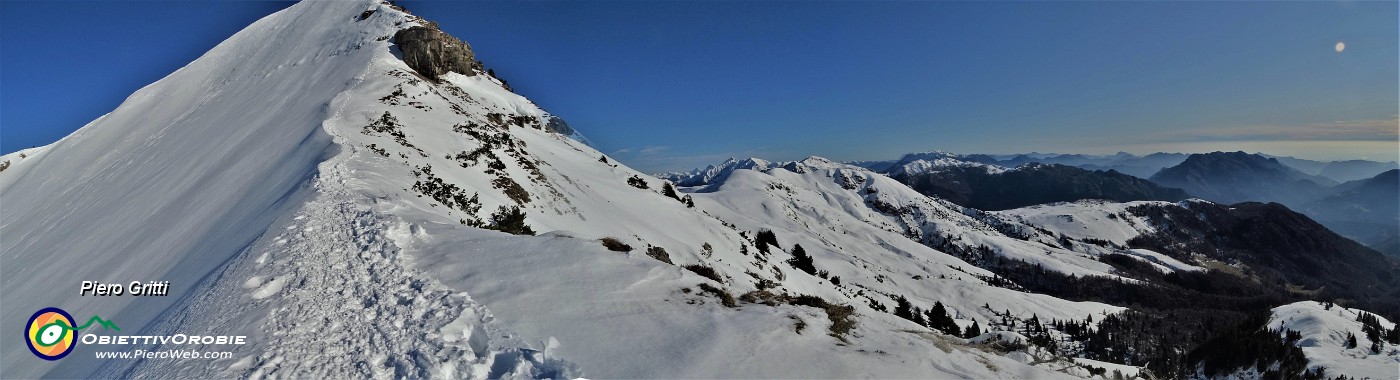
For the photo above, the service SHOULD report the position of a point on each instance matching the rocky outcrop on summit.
(433, 53)
(557, 125)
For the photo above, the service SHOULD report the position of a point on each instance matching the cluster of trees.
(765, 240)
(935, 317)
(1251, 343)
(1378, 335)
(1040, 335)
(1171, 314)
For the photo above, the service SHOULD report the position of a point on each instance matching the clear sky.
(674, 85)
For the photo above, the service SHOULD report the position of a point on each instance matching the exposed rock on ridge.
(433, 53)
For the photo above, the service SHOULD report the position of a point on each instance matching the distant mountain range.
(1366, 209)
(991, 187)
(1138, 166)
(1362, 209)
(1146, 165)
(1352, 170)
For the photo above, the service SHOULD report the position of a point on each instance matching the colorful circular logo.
(50, 333)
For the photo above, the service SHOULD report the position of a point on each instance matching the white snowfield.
(1324, 334)
(1105, 220)
(301, 185)
(1102, 220)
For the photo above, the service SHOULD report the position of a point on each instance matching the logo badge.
(50, 333)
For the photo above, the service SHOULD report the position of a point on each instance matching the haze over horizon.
(672, 86)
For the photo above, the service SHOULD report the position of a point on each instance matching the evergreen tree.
(670, 190)
(972, 331)
(802, 261)
(764, 239)
(510, 220)
(902, 308)
(938, 319)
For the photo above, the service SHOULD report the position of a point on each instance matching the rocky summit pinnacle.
(433, 53)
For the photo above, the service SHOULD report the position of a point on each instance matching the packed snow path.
(340, 302)
(325, 294)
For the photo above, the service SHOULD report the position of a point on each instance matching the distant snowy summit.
(715, 173)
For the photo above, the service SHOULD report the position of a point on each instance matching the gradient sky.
(674, 85)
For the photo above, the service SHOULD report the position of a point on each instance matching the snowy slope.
(176, 180)
(1103, 221)
(349, 199)
(835, 196)
(1324, 332)
(1106, 220)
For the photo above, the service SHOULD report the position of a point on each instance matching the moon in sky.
(1341, 46)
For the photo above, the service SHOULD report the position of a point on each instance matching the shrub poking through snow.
(705, 271)
(510, 220)
(511, 189)
(638, 182)
(448, 194)
(659, 254)
(724, 296)
(388, 124)
(612, 244)
(842, 317)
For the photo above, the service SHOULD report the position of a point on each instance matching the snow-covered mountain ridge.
(348, 201)
(373, 220)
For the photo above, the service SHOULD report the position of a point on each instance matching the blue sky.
(673, 85)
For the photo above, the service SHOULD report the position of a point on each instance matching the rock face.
(559, 126)
(433, 53)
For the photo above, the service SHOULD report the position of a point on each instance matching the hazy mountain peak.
(1230, 177)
